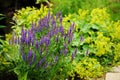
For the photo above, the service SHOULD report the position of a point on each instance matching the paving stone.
(116, 69)
(112, 76)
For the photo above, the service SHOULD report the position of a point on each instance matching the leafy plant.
(88, 68)
(44, 49)
(26, 16)
(94, 37)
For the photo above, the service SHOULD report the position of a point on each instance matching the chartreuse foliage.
(27, 16)
(97, 37)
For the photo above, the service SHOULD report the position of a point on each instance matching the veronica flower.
(47, 41)
(42, 40)
(29, 54)
(34, 58)
(36, 45)
(73, 54)
(65, 51)
(53, 23)
(60, 19)
(87, 52)
(30, 57)
(23, 35)
(61, 29)
(81, 38)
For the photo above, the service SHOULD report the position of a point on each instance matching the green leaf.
(21, 76)
(1, 26)
(2, 18)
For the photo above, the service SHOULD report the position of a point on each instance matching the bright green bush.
(96, 36)
(27, 16)
(87, 68)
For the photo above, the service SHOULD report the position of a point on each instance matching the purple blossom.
(42, 40)
(65, 51)
(87, 52)
(60, 19)
(73, 54)
(34, 58)
(30, 54)
(23, 35)
(81, 38)
(61, 30)
(36, 45)
(53, 23)
(47, 41)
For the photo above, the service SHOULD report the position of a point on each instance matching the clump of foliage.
(44, 49)
(87, 68)
(26, 16)
(97, 37)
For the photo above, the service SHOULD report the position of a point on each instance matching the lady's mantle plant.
(44, 50)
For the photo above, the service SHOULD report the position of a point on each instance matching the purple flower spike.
(87, 52)
(61, 30)
(23, 35)
(73, 55)
(47, 41)
(29, 54)
(36, 45)
(60, 19)
(81, 38)
(42, 40)
(65, 52)
(53, 23)
(34, 59)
